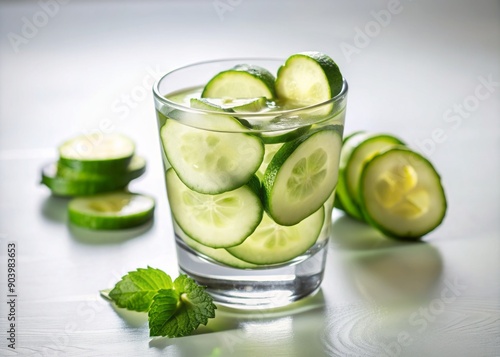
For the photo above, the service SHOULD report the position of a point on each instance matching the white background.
(415, 68)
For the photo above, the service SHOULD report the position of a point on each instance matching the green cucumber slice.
(136, 168)
(249, 106)
(242, 81)
(64, 186)
(327, 225)
(212, 162)
(358, 150)
(217, 124)
(270, 151)
(219, 255)
(272, 243)
(281, 136)
(112, 153)
(309, 78)
(217, 221)
(302, 175)
(243, 105)
(116, 210)
(341, 183)
(401, 194)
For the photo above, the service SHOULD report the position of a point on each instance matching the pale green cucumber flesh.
(358, 150)
(309, 78)
(218, 221)
(208, 161)
(219, 255)
(401, 194)
(281, 136)
(272, 243)
(106, 154)
(302, 175)
(242, 81)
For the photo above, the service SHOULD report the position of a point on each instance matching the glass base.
(267, 288)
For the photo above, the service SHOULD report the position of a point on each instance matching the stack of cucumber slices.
(249, 198)
(96, 173)
(390, 186)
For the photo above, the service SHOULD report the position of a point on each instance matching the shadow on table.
(55, 208)
(385, 270)
(351, 234)
(237, 323)
(103, 237)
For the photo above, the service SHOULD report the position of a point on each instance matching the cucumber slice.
(217, 123)
(272, 243)
(327, 224)
(113, 152)
(309, 78)
(242, 81)
(341, 183)
(136, 168)
(270, 151)
(281, 136)
(116, 210)
(302, 175)
(216, 221)
(401, 194)
(212, 162)
(206, 104)
(358, 150)
(250, 106)
(66, 186)
(219, 255)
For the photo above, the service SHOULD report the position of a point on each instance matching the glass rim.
(179, 106)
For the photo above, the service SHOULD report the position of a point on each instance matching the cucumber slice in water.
(250, 106)
(302, 175)
(212, 162)
(116, 210)
(220, 255)
(270, 151)
(242, 81)
(309, 78)
(401, 194)
(272, 243)
(216, 221)
(281, 136)
(113, 152)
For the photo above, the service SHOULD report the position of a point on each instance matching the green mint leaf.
(179, 311)
(135, 291)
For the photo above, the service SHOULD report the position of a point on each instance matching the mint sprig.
(174, 308)
(135, 291)
(179, 311)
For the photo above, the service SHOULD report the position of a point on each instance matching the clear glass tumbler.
(231, 175)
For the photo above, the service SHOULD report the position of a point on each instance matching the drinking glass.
(294, 268)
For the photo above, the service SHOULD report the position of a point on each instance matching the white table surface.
(90, 65)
